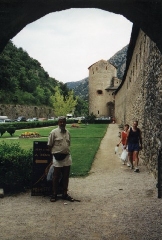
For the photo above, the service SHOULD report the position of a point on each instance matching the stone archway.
(15, 15)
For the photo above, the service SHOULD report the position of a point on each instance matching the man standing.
(59, 144)
(134, 141)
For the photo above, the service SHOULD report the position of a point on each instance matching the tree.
(81, 107)
(39, 94)
(62, 105)
(70, 102)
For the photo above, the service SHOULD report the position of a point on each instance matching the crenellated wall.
(140, 97)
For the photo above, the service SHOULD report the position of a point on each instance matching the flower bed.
(29, 135)
(75, 125)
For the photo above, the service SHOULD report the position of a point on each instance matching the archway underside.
(16, 14)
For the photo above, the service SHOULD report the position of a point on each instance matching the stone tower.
(102, 83)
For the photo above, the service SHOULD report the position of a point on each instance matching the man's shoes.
(68, 198)
(53, 198)
(128, 165)
(136, 170)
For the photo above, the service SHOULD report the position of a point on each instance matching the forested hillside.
(80, 88)
(23, 79)
(25, 82)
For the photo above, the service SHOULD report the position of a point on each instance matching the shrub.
(2, 130)
(75, 125)
(11, 130)
(15, 167)
(90, 118)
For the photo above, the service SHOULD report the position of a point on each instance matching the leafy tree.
(81, 107)
(62, 105)
(70, 102)
(39, 94)
(64, 89)
(58, 102)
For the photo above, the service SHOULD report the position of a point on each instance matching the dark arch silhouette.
(16, 14)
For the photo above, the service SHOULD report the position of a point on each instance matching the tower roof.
(102, 61)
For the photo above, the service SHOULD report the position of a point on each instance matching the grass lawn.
(85, 142)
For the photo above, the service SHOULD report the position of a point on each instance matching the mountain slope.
(80, 88)
(118, 60)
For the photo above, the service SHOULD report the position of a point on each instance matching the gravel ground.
(116, 203)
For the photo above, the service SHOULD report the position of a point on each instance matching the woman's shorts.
(132, 147)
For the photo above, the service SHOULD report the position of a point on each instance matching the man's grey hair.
(61, 118)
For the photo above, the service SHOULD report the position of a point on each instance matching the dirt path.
(116, 203)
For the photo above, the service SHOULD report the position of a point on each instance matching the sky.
(66, 43)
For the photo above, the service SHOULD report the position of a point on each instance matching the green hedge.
(35, 124)
(38, 124)
(103, 121)
(15, 167)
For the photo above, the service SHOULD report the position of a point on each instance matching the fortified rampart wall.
(140, 97)
(13, 111)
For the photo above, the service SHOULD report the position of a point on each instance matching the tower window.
(99, 92)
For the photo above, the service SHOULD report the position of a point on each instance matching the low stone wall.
(13, 111)
(140, 98)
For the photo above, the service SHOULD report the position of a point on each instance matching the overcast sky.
(66, 43)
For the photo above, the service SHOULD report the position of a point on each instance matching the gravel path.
(116, 204)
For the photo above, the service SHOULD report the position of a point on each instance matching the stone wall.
(13, 111)
(140, 97)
